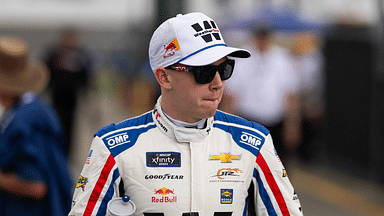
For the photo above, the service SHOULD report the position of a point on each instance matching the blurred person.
(145, 90)
(185, 157)
(70, 67)
(125, 63)
(308, 62)
(34, 178)
(265, 88)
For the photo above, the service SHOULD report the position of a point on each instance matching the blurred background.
(342, 170)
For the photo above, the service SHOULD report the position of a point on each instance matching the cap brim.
(213, 54)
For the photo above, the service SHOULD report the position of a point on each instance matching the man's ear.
(163, 78)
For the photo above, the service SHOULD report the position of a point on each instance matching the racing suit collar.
(180, 134)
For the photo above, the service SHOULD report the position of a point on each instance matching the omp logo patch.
(163, 159)
(251, 140)
(118, 139)
(209, 30)
(225, 157)
(82, 182)
(226, 196)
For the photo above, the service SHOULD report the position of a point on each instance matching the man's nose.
(217, 83)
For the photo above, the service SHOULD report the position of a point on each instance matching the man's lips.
(210, 99)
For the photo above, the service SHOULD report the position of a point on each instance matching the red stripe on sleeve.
(272, 184)
(99, 185)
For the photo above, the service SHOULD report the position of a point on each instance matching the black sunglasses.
(205, 74)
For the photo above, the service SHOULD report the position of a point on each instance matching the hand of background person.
(11, 184)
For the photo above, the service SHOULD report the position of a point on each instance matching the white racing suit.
(228, 168)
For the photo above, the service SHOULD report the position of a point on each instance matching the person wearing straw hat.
(34, 177)
(185, 157)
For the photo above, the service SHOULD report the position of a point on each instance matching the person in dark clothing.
(70, 65)
(34, 174)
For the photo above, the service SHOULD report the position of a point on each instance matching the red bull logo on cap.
(164, 199)
(171, 48)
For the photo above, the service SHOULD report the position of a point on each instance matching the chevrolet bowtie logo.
(225, 157)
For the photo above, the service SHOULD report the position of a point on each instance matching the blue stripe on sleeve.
(108, 196)
(263, 194)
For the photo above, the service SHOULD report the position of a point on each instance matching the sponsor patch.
(227, 172)
(227, 175)
(163, 159)
(82, 182)
(250, 139)
(207, 32)
(165, 177)
(166, 195)
(171, 48)
(284, 173)
(117, 140)
(225, 157)
(226, 196)
(158, 118)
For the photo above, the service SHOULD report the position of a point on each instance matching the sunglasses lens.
(205, 74)
(227, 69)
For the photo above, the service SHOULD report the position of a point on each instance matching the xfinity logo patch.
(250, 139)
(206, 33)
(163, 159)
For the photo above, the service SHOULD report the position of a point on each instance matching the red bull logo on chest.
(165, 198)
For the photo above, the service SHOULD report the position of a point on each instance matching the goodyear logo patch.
(82, 182)
(163, 159)
(226, 196)
(225, 157)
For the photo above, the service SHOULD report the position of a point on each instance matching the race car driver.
(185, 157)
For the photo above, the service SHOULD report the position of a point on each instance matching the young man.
(34, 177)
(185, 157)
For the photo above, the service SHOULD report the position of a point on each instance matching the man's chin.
(209, 113)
